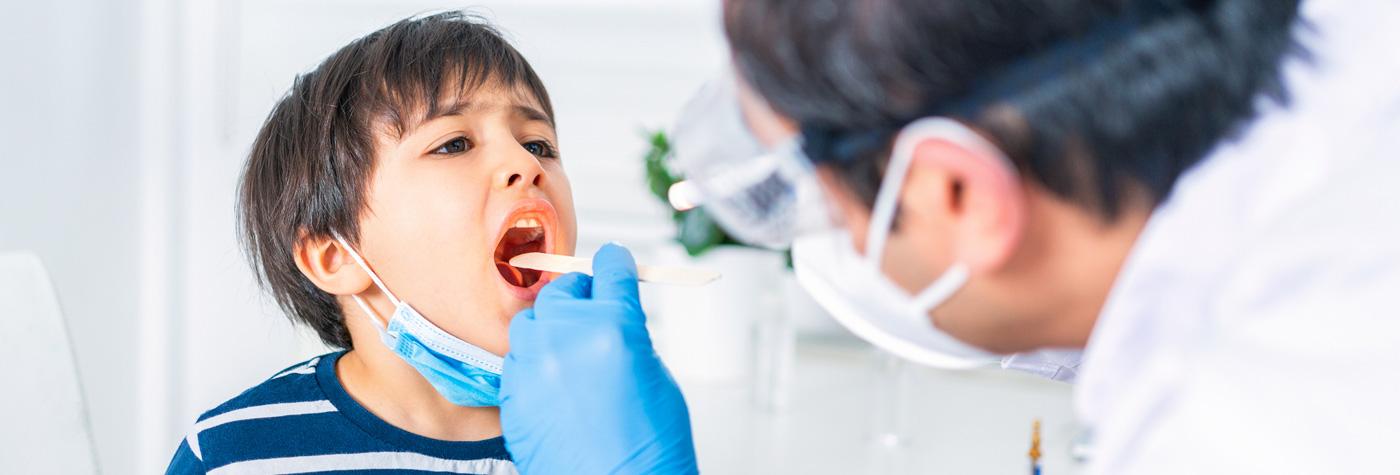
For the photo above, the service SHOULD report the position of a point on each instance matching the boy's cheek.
(563, 200)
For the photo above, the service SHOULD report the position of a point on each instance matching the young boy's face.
(454, 198)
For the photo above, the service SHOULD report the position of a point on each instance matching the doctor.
(1203, 195)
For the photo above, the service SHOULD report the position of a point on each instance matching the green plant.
(695, 230)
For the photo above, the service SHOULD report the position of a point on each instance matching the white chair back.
(44, 424)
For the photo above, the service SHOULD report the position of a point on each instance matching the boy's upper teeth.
(527, 223)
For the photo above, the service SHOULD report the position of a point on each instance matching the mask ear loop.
(887, 198)
(369, 312)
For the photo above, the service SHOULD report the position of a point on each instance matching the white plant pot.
(706, 334)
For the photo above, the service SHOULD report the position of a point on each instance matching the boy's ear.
(329, 267)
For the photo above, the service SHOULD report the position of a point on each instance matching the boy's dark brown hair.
(308, 172)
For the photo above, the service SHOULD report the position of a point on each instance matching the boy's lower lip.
(527, 294)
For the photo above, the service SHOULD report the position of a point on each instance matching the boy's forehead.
(492, 98)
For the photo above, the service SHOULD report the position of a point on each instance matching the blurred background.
(125, 124)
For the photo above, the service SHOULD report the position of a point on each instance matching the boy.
(409, 167)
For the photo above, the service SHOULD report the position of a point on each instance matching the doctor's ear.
(328, 266)
(967, 194)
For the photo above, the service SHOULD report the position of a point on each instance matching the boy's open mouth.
(526, 234)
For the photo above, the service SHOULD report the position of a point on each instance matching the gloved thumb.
(614, 274)
(571, 286)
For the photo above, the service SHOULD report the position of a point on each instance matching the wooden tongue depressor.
(658, 274)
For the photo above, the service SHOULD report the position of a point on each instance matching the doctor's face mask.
(859, 293)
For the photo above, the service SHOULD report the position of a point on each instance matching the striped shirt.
(302, 421)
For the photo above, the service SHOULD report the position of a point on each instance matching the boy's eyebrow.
(460, 107)
(531, 114)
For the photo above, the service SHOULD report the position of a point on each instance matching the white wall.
(68, 187)
(125, 124)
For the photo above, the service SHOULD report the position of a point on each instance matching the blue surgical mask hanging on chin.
(465, 374)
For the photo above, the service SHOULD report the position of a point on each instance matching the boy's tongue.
(517, 241)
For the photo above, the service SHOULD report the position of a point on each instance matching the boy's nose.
(518, 179)
(521, 169)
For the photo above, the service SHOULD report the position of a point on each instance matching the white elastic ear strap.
(951, 280)
(373, 316)
(887, 198)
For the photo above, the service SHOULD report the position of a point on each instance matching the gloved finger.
(522, 333)
(614, 274)
(571, 286)
(523, 340)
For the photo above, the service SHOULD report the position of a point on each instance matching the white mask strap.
(369, 312)
(374, 317)
(887, 199)
(951, 280)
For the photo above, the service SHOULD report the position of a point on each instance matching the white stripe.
(255, 412)
(304, 368)
(367, 461)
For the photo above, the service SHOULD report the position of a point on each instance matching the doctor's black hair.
(308, 172)
(1099, 101)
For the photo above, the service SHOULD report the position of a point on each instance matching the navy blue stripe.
(290, 436)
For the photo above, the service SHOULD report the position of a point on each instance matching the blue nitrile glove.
(583, 391)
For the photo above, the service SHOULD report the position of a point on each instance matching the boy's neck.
(392, 390)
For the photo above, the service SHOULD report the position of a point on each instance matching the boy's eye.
(454, 146)
(540, 148)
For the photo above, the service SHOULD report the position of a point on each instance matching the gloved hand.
(582, 390)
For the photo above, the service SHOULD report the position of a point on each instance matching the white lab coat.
(1255, 327)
